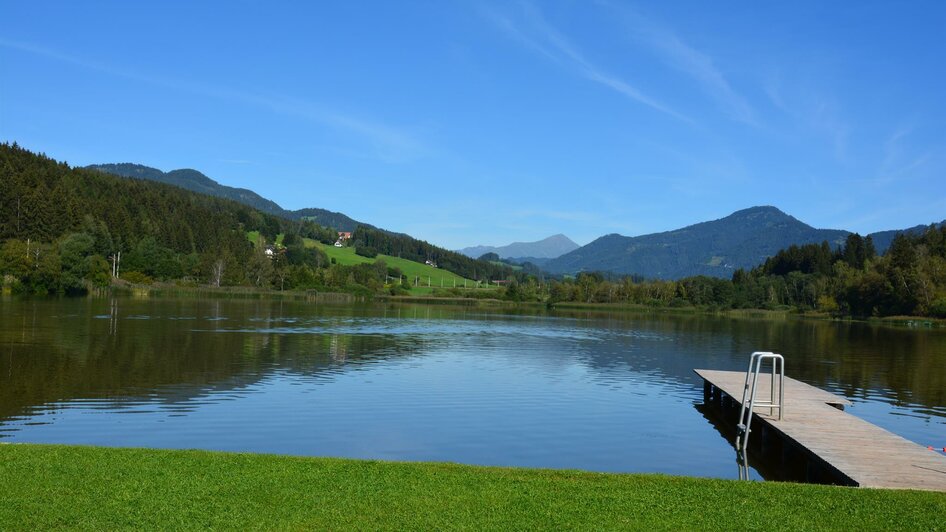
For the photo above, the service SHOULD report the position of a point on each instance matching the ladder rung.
(749, 402)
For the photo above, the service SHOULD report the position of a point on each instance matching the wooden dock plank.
(867, 454)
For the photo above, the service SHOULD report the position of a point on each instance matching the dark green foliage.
(489, 257)
(44, 199)
(857, 251)
(191, 180)
(909, 280)
(810, 258)
(290, 239)
(743, 239)
(326, 218)
(197, 182)
(297, 254)
(366, 251)
(938, 308)
(61, 227)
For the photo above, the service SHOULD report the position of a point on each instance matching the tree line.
(850, 280)
(66, 230)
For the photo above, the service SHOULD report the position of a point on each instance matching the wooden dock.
(837, 446)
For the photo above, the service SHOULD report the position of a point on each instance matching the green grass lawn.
(437, 277)
(44, 487)
(429, 277)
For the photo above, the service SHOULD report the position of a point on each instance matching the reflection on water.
(589, 391)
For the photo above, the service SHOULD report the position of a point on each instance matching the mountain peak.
(765, 210)
(743, 239)
(559, 238)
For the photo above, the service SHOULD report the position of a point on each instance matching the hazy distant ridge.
(547, 248)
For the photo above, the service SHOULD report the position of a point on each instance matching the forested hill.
(194, 181)
(42, 199)
(366, 236)
(60, 227)
(198, 182)
(744, 239)
(49, 209)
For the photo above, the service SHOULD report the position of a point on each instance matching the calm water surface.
(586, 391)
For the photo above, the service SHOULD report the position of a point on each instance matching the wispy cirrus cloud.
(813, 109)
(671, 48)
(530, 28)
(388, 143)
(900, 158)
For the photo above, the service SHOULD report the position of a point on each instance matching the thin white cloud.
(824, 117)
(893, 148)
(773, 89)
(533, 31)
(672, 49)
(811, 108)
(389, 143)
(899, 161)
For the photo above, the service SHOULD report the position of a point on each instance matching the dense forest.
(850, 280)
(66, 230)
(197, 182)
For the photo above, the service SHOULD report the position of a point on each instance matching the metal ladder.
(749, 392)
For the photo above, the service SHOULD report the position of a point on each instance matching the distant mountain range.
(197, 182)
(716, 248)
(743, 239)
(547, 248)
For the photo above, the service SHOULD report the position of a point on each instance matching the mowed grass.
(436, 277)
(45, 487)
(427, 277)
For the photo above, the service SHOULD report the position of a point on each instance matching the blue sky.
(469, 123)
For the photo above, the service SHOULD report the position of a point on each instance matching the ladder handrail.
(752, 374)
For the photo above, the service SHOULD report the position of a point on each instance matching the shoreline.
(345, 298)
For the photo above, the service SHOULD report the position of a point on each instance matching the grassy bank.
(86, 487)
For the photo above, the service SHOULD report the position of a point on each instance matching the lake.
(595, 391)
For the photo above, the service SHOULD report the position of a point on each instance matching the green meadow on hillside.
(425, 278)
(427, 275)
